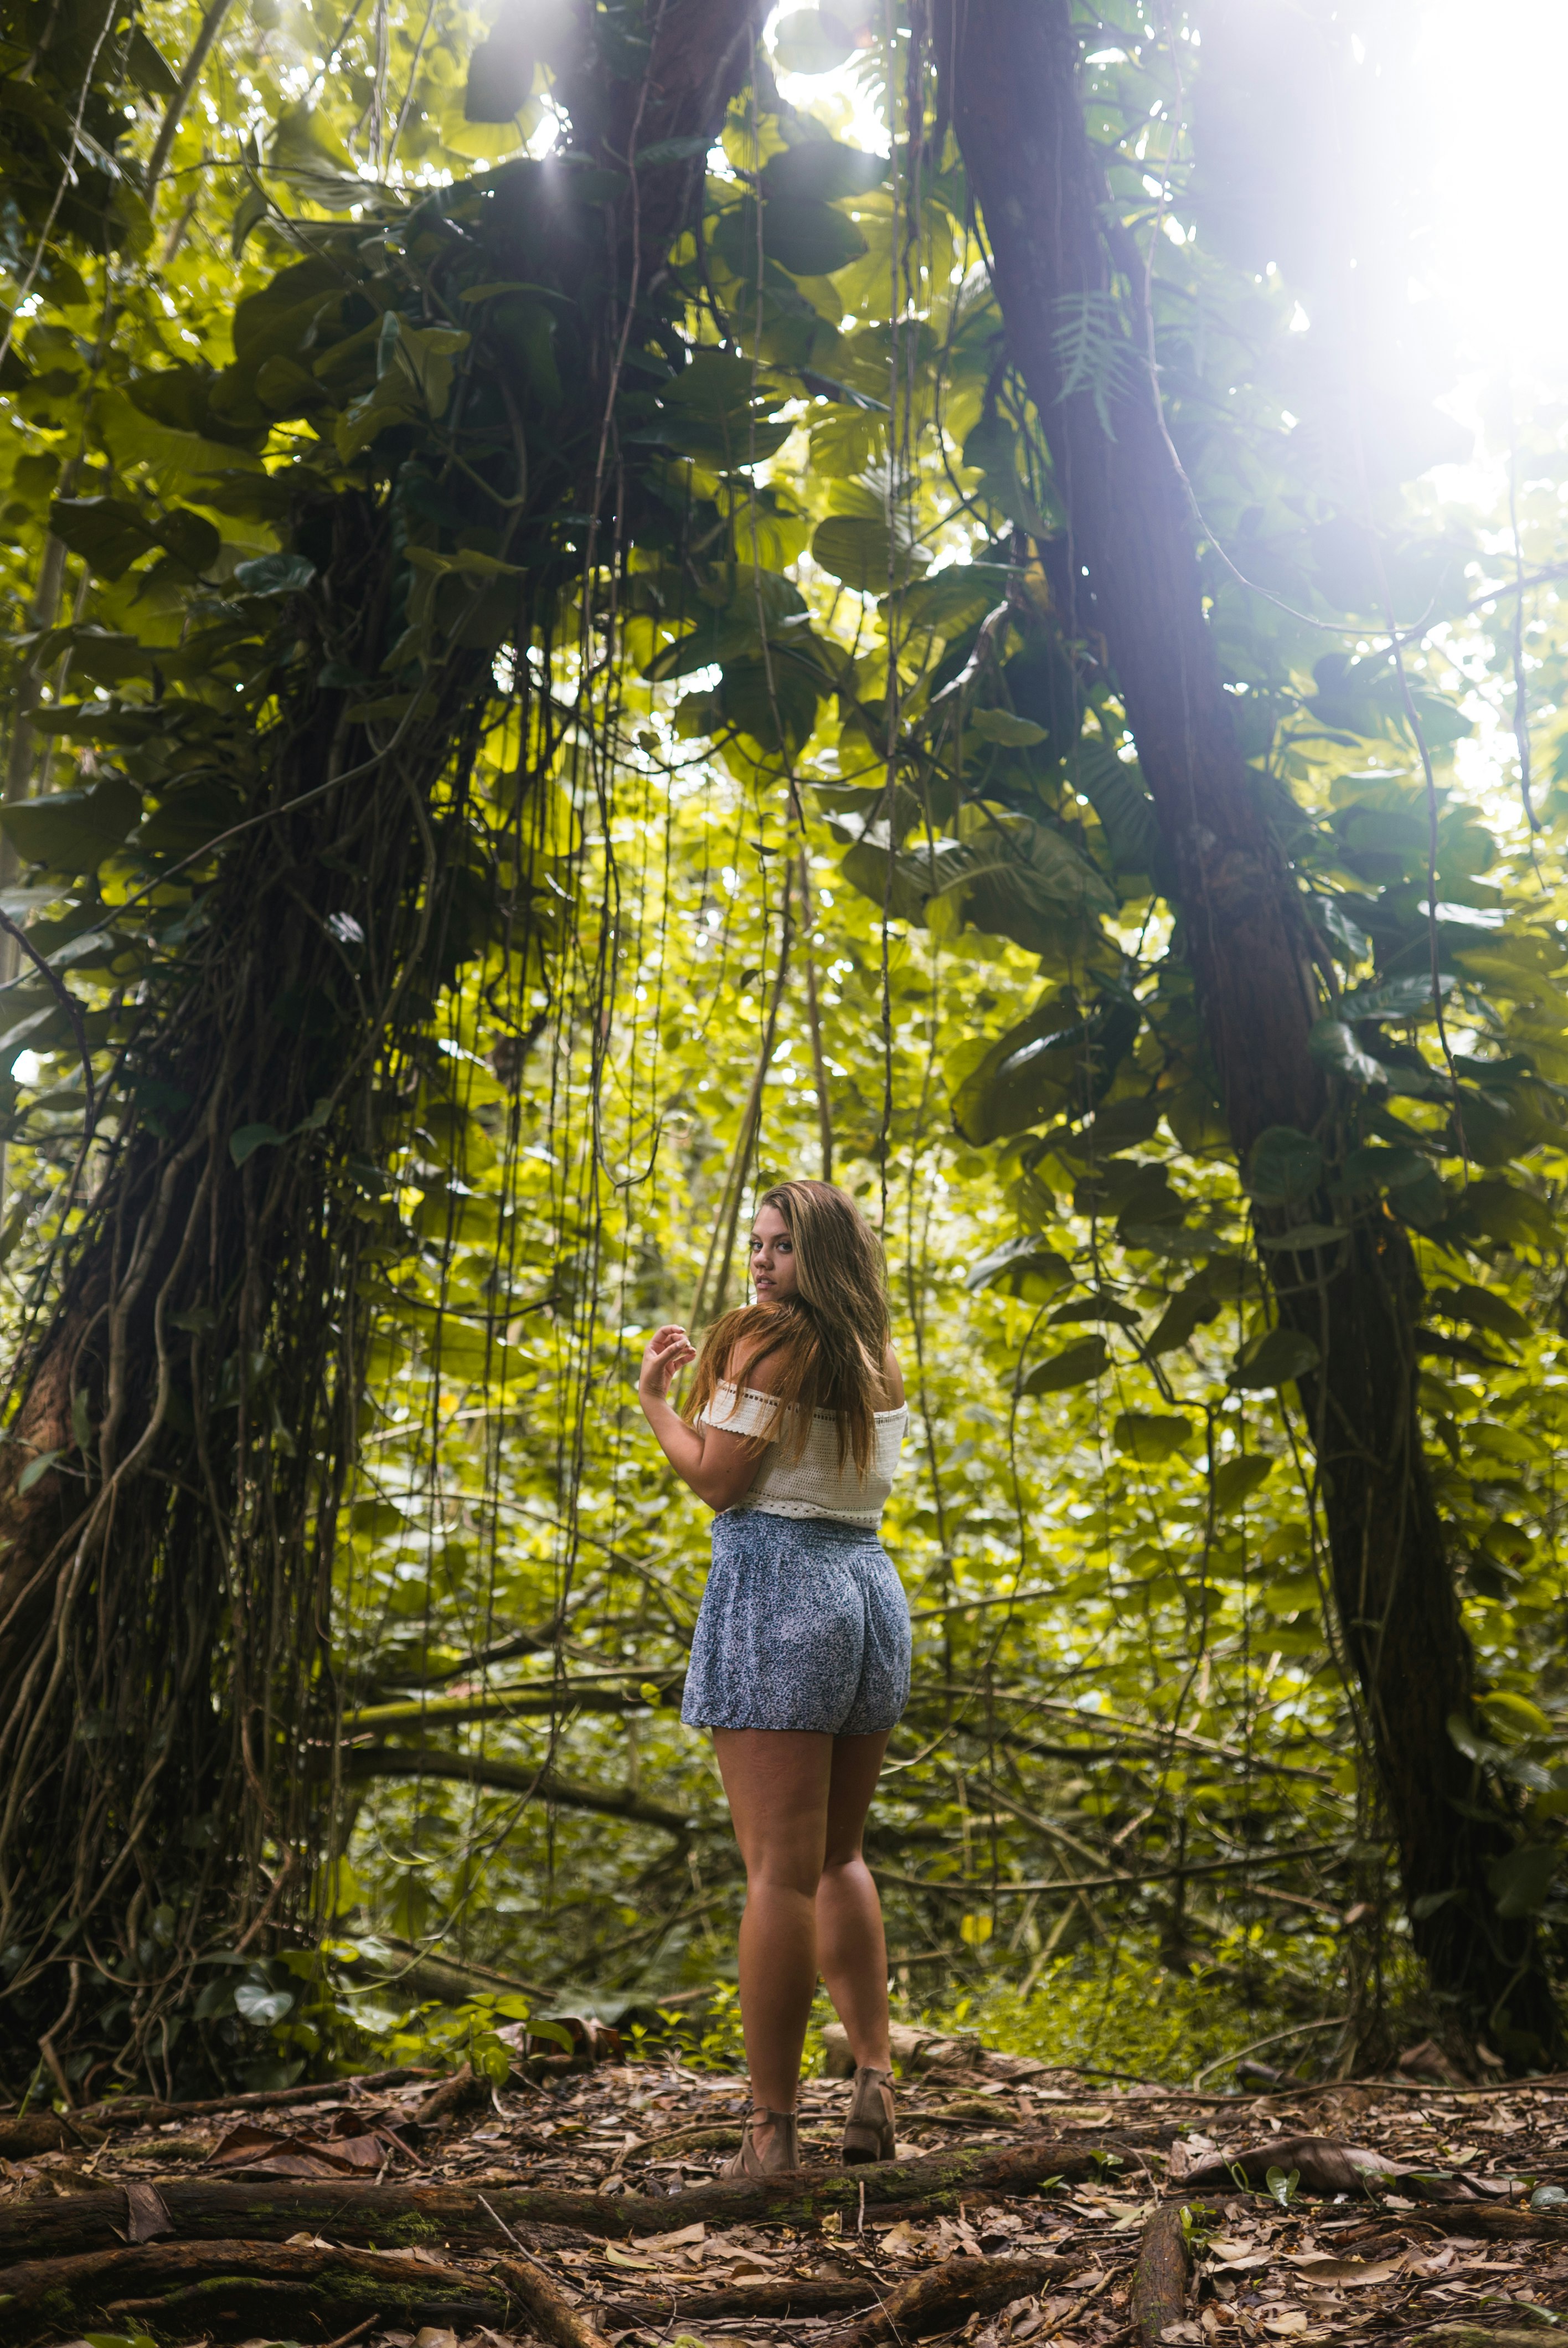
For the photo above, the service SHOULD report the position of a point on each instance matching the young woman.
(801, 1661)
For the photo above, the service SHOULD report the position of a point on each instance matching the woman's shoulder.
(893, 1396)
(755, 1358)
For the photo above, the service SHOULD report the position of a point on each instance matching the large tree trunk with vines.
(1011, 67)
(185, 1413)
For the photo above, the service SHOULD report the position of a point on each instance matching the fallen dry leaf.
(1347, 2270)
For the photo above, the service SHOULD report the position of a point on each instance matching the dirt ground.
(580, 2206)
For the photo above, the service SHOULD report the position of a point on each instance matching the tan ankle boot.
(781, 2153)
(868, 2129)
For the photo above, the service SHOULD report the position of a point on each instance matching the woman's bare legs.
(799, 1802)
(851, 1946)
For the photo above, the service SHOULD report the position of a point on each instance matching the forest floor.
(584, 2208)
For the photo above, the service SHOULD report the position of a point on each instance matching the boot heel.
(868, 2133)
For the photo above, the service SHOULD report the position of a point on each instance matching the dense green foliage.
(797, 826)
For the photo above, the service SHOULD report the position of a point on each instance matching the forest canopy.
(604, 603)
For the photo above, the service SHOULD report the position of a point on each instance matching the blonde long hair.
(832, 1333)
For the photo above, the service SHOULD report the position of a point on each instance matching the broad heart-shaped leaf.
(1236, 1480)
(1276, 1359)
(1482, 1308)
(1521, 1881)
(500, 73)
(1040, 1067)
(1008, 877)
(861, 551)
(134, 437)
(718, 638)
(280, 314)
(1373, 1167)
(1144, 1436)
(821, 171)
(808, 239)
(1283, 1165)
(109, 533)
(811, 41)
(1395, 998)
(1024, 1267)
(73, 832)
(275, 574)
(261, 2005)
(1075, 1365)
(955, 598)
(1115, 790)
(773, 700)
(1333, 1045)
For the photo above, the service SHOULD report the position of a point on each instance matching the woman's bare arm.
(719, 1467)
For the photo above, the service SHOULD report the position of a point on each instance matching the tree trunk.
(184, 1414)
(1011, 67)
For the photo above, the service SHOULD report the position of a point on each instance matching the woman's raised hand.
(668, 1350)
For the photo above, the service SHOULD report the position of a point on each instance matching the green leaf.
(148, 69)
(261, 2005)
(1395, 998)
(861, 551)
(1302, 1236)
(823, 171)
(275, 574)
(73, 832)
(1236, 1480)
(1145, 1436)
(246, 1139)
(1181, 1317)
(1001, 726)
(1373, 1167)
(1276, 1358)
(1333, 1045)
(109, 533)
(501, 74)
(1284, 1166)
(1482, 1308)
(1281, 2187)
(1075, 1365)
(674, 151)
(1521, 1880)
(809, 240)
(35, 1469)
(1024, 1267)
(811, 41)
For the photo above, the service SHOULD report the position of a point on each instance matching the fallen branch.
(941, 2296)
(242, 2290)
(810, 2296)
(34, 2133)
(1163, 2272)
(364, 1761)
(1327, 2167)
(455, 2216)
(550, 2311)
(144, 2111)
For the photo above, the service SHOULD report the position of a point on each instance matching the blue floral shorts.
(804, 1625)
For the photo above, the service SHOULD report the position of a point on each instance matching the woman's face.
(774, 1270)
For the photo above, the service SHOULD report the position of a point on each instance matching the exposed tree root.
(238, 2290)
(398, 2216)
(1327, 2167)
(145, 2111)
(1163, 2272)
(935, 2300)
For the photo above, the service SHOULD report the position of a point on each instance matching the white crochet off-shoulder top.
(814, 1485)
